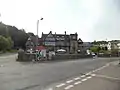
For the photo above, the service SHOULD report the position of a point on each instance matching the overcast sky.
(91, 19)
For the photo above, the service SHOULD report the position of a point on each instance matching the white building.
(113, 45)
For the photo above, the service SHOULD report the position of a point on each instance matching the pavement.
(46, 75)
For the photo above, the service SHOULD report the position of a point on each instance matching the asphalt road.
(37, 76)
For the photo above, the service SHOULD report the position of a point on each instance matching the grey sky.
(91, 19)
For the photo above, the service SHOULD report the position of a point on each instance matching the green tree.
(3, 43)
(94, 49)
(10, 43)
(19, 37)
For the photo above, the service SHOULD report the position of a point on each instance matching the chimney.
(55, 34)
(51, 32)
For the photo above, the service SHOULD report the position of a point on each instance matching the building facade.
(53, 42)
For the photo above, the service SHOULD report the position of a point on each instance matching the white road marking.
(89, 77)
(60, 85)
(93, 75)
(77, 78)
(1, 65)
(107, 64)
(69, 81)
(68, 87)
(100, 68)
(84, 79)
(103, 76)
(76, 83)
(83, 76)
(50, 89)
(88, 73)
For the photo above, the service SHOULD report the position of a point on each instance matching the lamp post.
(37, 31)
(0, 18)
(37, 35)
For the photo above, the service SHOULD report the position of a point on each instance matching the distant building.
(53, 42)
(114, 44)
(30, 44)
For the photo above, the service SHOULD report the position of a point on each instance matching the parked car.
(61, 51)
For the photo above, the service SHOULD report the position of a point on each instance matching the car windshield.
(59, 45)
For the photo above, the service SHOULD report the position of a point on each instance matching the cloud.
(108, 24)
(92, 19)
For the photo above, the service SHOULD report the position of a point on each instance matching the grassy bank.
(7, 52)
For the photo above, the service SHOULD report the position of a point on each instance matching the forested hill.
(18, 36)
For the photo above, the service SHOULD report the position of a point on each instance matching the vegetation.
(6, 43)
(99, 42)
(12, 38)
(94, 49)
(98, 49)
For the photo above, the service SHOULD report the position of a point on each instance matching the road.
(37, 76)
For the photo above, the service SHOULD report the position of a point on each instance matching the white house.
(113, 45)
(109, 46)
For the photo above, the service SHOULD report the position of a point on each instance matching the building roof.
(31, 39)
(80, 40)
(44, 36)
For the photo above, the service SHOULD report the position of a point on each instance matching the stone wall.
(25, 57)
(30, 57)
(108, 55)
(70, 56)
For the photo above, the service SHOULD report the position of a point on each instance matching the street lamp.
(37, 31)
(37, 35)
(0, 18)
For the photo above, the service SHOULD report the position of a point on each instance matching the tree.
(30, 34)
(106, 48)
(18, 36)
(99, 42)
(10, 43)
(3, 43)
(94, 49)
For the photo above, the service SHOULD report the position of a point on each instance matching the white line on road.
(83, 76)
(60, 85)
(93, 75)
(76, 83)
(69, 81)
(68, 87)
(101, 67)
(77, 78)
(1, 65)
(89, 77)
(103, 76)
(88, 73)
(50, 89)
(84, 79)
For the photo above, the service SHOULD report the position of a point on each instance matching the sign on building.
(48, 43)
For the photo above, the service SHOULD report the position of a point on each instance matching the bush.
(94, 49)
(5, 43)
